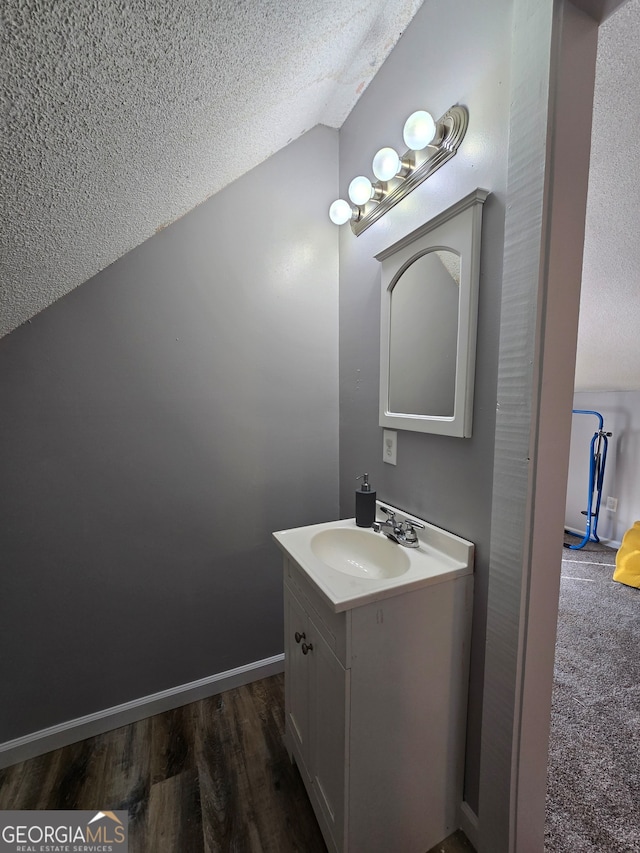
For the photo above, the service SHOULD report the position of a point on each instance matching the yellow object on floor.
(628, 558)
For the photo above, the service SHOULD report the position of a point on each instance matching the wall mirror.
(428, 323)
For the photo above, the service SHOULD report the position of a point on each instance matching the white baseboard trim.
(610, 543)
(63, 734)
(469, 823)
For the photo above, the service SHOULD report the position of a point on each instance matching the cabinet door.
(297, 677)
(329, 711)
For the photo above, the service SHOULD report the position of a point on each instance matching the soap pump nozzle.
(365, 487)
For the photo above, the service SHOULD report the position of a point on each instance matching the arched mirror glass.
(423, 329)
(429, 317)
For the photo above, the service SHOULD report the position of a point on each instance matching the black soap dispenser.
(365, 503)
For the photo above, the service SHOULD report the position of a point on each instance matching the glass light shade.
(340, 212)
(386, 164)
(419, 130)
(360, 190)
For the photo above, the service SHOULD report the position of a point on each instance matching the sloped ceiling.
(608, 355)
(123, 115)
(119, 116)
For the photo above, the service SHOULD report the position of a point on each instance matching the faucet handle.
(409, 536)
(378, 525)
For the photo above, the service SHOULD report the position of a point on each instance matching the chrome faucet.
(389, 526)
(403, 532)
(408, 536)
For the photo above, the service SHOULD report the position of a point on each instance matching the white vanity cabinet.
(375, 711)
(317, 690)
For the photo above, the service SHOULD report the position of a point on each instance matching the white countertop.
(440, 556)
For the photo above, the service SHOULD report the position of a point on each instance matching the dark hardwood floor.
(210, 777)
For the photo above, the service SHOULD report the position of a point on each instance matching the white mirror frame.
(457, 229)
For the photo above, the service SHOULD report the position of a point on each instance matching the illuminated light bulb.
(340, 212)
(386, 164)
(360, 190)
(419, 130)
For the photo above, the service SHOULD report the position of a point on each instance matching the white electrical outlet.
(612, 504)
(390, 446)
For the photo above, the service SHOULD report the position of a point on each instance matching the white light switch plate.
(389, 446)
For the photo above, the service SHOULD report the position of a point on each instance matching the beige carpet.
(593, 794)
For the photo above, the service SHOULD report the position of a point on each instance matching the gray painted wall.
(621, 413)
(448, 481)
(158, 424)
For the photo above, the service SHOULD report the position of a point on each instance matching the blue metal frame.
(597, 462)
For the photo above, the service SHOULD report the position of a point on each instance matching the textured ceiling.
(608, 356)
(119, 116)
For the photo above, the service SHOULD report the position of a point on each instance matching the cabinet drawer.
(334, 627)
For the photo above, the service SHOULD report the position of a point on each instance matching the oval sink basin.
(360, 553)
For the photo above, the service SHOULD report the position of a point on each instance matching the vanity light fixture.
(419, 130)
(386, 164)
(360, 190)
(340, 212)
(430, 144)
